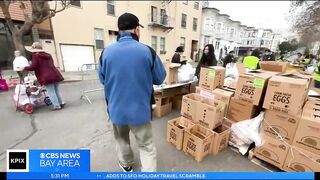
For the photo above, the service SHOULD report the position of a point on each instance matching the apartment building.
(221, 31)
(83, 30)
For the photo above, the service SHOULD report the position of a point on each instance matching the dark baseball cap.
(128, 21)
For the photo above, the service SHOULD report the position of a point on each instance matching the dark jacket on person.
(228, 59)
(205, 61)
(269, 57)
(43, 66)
(176, 58)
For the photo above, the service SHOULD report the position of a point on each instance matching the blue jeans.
(54, 94)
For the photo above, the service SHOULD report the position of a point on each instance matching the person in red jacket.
(46, 73)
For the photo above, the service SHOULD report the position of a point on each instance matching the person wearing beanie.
(127, 70)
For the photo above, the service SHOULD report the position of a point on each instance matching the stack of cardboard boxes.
(171, 98)
(283, 127)
(304, 154)
(249, 95)
(200, 130)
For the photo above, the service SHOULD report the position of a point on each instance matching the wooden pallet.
(265, 165)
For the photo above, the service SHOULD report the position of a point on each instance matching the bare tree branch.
(5, 4)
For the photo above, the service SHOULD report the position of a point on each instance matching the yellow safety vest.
(316, 73)
(306, 61)
(251, 62)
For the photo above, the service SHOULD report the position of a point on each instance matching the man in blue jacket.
(128, 69)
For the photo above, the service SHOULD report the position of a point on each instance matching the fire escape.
(162, 20)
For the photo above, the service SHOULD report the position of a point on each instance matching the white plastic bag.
(232, 71)
(246, 132)
(185, 73)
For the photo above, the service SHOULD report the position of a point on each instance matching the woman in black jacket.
(177, 55)
(208, 59)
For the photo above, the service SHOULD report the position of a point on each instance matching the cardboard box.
(221, 136)
(252, 86)
(189, 105)
(273, 151)
(241, 110)
(299, 160)
(227, 122)
(164, 106)
(176, 102)
(284, 124)
(172, 72)
(274, 66)
(212, 77)
(221, 94)
(308, 133)
(175, 131)
(172, 91)
(210, 113)
(286, 94)
(197, 142)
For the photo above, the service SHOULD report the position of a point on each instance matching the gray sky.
(266, 14)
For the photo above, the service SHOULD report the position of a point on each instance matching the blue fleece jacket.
(128, 77)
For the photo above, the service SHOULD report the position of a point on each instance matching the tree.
(305, 17)
(40, 12)
(287, 46)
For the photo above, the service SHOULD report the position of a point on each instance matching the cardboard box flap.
(224, 92)
(184, 122)
(194, 96)
(221, 129)
(258, 74)
(274, 66)
(213, 102)
(290, 79)
(200, 132)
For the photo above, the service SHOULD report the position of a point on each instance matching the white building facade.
(219, 30)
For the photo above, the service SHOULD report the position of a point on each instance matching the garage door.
(75, 56)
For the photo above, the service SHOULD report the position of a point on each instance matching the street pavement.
(81, 125)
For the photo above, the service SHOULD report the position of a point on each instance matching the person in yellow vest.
(316, 75)
(252, 61)
(306, 60)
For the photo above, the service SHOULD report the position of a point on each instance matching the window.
(162, 45)
(217, 45)
(153, 14)
(182, 41)
(206, 39)
(110, 7)
(154, 42)
(164, 17)
(185, 2)
(211, 26)
(247, 42)
(196, 5)
(99, 37)
(206, 23)
(195, 24)
(75, 3)
(264, 34)
(184, 21)
(231, 32)
(219, 27)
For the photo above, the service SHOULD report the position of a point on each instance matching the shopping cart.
(28, 95)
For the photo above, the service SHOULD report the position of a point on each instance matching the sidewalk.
(68, 76)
